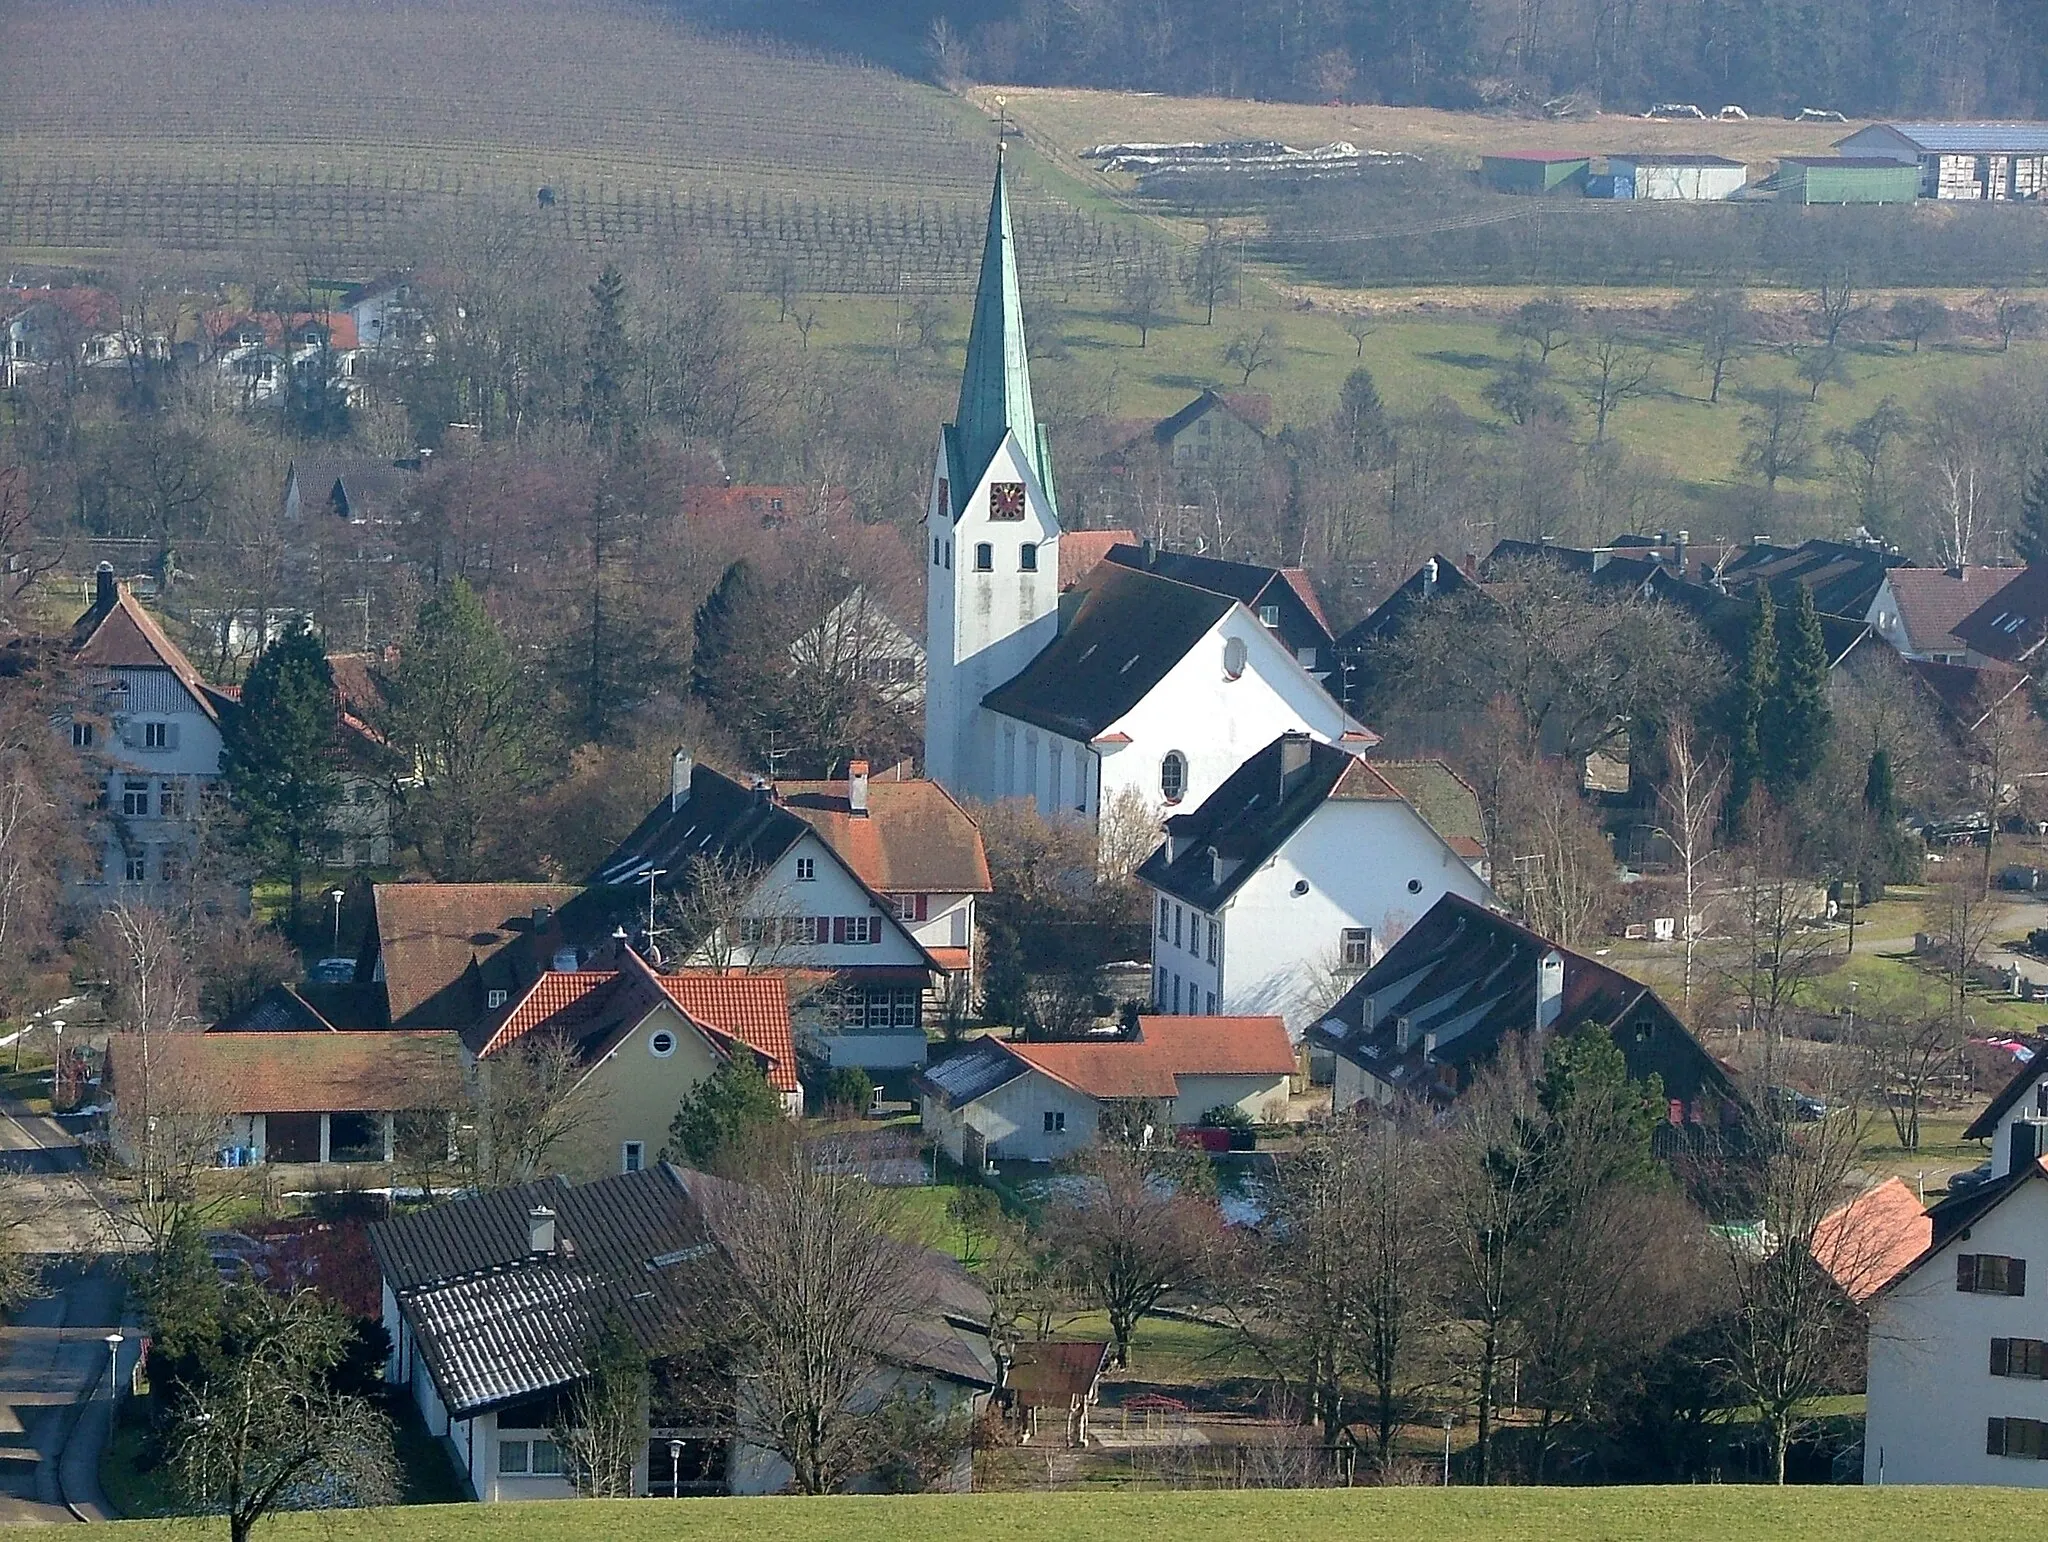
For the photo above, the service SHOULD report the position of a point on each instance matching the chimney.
(1684, 540)
(1471, 562)
(1404, 1035)
(1150, 552)
(1294, 753)
(679, 772)
(540, 1231)
(1429, 1045)
(105, 590)
(763, 791)
(1549, 988)
(1429, 576)
(857, 788)
(2027, 1143)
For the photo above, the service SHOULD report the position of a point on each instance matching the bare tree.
(1960, 918)
(42, 786)
(1544, 322)
(2011, 316)
(1908, 1055)
(268, 1432)
(1251, 352)
(1777, 951)
(1127, 1235)
(1145, 298)
(603, 1432)
(1720, 322)
(1691, 798)
(529, 1103)
(1958, 510)
(1776, 439)
(1358, 326)
(1212, 270)
(1834, 302)
(1916, 318)
(1614, 369)
(22, 566)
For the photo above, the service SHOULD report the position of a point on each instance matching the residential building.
(492, 1301)
(1976, 162)
(312, 1096)
(1007, 1100)
(1294, 876)
(1355, 679)
(1216, 430)
(153, 736)
(445, 955)
(857, 639)
(390, 317)
(1127, 683)
(357, 489)
(360, 829)
(763, 885)
(1917, 609)
(644, 1040)
(1844, 578)
(1819, 179)
(1668, 176)
(1535, 171)
(1284, 599)
(2021, 1101)
(2010, 626)
(51, 328)
(1430, 1014)
(254, 355)
(1955, 1390)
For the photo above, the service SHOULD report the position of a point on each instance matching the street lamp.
(335, 895)
(675, 1468)
(114, 1341)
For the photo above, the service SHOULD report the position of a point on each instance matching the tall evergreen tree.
(1754, 688)
(278, 754)
(607, 362)
(2030, 539)
(1795, 729)
(460, 710)
(1878, 796)
(1362, 420)
(732, 668)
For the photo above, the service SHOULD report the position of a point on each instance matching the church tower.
(992, 529)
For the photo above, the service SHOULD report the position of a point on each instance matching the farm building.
(1846, 179)
(1690, 178)
(1981, 162)
(1535, 171)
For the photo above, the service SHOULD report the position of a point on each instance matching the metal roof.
(973, 1073)
(1973, 138)
(995, 387)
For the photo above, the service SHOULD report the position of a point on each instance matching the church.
(1129, 682)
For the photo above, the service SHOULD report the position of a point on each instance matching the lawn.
(1705, 1512)
(1169, 1350)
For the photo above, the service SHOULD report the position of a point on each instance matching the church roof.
(995, 387)
(1129, 630)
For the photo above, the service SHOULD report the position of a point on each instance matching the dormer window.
(494, 1000)
(1269, 615)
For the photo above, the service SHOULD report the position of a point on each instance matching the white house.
(155, 736)
(858, 639)
(1665, 176)
(1970, 161)
(1294, 876)
(1016, 1101)
(1127, 683)
(1916, 610)
(1956, 1390)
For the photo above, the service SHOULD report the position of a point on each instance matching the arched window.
(1233, 657)
(984, 557)
(1173, 776)
(1027, 559)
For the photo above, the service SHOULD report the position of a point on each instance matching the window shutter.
(2016, 1277)
(875, 927)
(923, 904)
(2000, 1356)
(1994, 1437)
(1966, 1271)
(839, 928)
(170, 736)
(131, 735)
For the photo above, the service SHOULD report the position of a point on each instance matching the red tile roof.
(1080, 550)
(1932, 601)
(914, 839)
(752, 1008)
(296, 1073)
(1166, 1048)
(1867, 1242)
(1305, 589)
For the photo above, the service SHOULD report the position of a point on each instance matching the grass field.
(1696, 1514)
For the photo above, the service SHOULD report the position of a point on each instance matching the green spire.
(995, 390)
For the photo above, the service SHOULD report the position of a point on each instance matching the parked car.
(2023, 879)
(1972, 829)
(332, 971)
(1803, 1106)
(1976, 1177)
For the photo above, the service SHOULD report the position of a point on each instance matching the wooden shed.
(1535, 171)
(1846, 179)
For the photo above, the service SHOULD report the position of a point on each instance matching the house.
(2018, 1104)
(1128, 683)
(360, 829)
(1865, 1244)
(1284, 599)
(1052, 1380)
(1917, 609)
(357, 489)
(390, 316)
(314, 1097)
(2010, 626)
(1668, 177)
(1435, 1009)
(1298, 871)
(1817, 179)
(644, 1040)
(1354, 680)
(1955, 1389)
(765, 886)
(857, 639)
(255, 355)
(444, 955)
(1216, 429)
(491, 1302)
(1843, 578)
(154, 738)
(50, 327)
(1012, 1101)
(1535, 171)
(1967, 694)
(1968, 161)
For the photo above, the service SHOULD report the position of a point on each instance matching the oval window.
(1233, 657)
(1173, 776)
(661, 1044)
(1415, 886)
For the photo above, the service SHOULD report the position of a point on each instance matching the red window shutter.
(1966, 1271)
(2015, 1276)
(922, 900)
(839, 928)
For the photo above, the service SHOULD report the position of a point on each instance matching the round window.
(1173, 776)
(661, 1043)
(1300, 887)
(1233, 657)
(1415, 886)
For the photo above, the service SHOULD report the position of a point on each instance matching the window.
(156, 736)
(1357, 947)
(170, 866)
(2019, 1357)
(1178, 913)
(1027, 558)
(806, 869)
(984, 557)
(1305, 657)
(1990, 1274)
(1080, 781)
(494, 999)
(660, 1044)
(1056, 758)
(1055, 1122)
(1031, 766)
(1173, 776)
(632, 1156)
(1159, 989)
(1165, 915)
(935, 551)
(135, 868)
(1176, 995)
(1212, 1003)
(547, 1459)
(945, 496)
(171, 799)
(1006, 500)
(1269, 615)
(81, 736)
(2016, 1437)
(1212, 942)
(909, 907)
(949, 556)
(135, 799)
(513, 1457)
(906, 1008)
(856, 929)
(1233, 657)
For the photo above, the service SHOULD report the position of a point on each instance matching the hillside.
(1332, 1515)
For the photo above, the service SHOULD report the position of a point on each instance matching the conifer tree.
(278, 754)
(2030, 539)
(1362, 420)
(1754, 687)
(1795, 729)
(607, 361)
(731, 666)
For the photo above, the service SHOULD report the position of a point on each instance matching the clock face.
(1006, 500)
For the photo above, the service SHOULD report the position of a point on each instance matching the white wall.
(832, 891)
(981, 628)
(948, 922)
(2026, 1106)
(1011, 1121)
(1931, 1390)
(1688, 182)
(1263, 1098)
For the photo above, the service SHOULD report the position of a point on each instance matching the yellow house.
(646, 1039)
